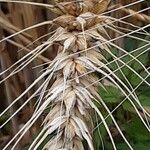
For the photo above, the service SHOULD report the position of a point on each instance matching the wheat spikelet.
(81, 36)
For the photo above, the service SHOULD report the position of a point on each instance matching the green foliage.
(136, 131)
(142, 55)
(110, 94)
(131, 126)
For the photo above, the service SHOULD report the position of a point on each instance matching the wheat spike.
(81, 36)
(70, 117)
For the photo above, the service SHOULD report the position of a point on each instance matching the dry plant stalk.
(81, 36)
(139, 16)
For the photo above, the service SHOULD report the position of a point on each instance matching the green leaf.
(145, 100)
(142, 146)
(144, 90)
(111, 94)
(144, 58)
(134, 79)
(122, 146)
(127, 106)
(137, 131)
(130, 44)
(136, 146)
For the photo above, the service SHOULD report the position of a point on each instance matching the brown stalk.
(9, 95)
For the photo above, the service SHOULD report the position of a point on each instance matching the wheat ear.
(80, 36)
(70, 118)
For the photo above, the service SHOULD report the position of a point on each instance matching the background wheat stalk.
(82, 41)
